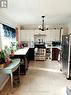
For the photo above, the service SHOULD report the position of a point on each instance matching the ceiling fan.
(43, 27)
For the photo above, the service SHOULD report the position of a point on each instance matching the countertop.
(22, 51)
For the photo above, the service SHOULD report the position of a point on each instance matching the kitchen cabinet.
(53, 35)
(31, 54)
(22, 67)
(57, 35)
(26, 35)
(55, 53)
(48, 38)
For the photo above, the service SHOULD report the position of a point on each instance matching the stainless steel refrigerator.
(66, 55)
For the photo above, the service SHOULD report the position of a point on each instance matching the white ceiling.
(29, 12)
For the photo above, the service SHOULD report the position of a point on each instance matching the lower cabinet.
(55, 53)
(31, 54)
(25, 61)
(16, 78)
(22, 70)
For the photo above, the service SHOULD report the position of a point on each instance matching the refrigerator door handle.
(68, 74)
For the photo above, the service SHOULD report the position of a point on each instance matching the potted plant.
(2, 58)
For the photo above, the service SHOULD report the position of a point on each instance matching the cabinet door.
(48, 38)
(57, 35)
(22, 36)
(31, 54)
(52, 35)
(27, 35)
(31, 35)
(55, 53)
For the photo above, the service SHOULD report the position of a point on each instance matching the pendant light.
(43, 27)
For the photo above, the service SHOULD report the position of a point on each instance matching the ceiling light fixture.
(43, 27)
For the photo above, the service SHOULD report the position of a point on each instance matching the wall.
(65, 30)
(0, 37)
(4, 20)
(69, 28)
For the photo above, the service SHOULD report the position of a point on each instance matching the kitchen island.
(23, 55)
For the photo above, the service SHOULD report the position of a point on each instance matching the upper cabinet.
(53, 35)
(57, 35)
(50, 35)
(26, 35)
(48, 38)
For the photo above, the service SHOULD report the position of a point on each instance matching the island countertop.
(22, 51)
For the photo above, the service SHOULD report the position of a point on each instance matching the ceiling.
(29, 12)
